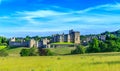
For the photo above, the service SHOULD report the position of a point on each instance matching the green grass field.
(15, 51)
(62, 50)
(56, 51)
(64, 43)
(61, 62)
(86, 62)
(2, 47)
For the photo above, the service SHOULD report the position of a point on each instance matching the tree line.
(111, 44)
(3, 41)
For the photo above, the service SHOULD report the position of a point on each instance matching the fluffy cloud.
(99, 18)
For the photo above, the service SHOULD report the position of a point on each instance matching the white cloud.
(51, 20)
(40, 13)
(106, 7)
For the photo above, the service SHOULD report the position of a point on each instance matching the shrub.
(94, 46)
(28, 52)
(24, 52)
(3, 53)
(45, 52)
(78, 50)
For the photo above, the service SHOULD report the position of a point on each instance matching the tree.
(78, 50)
(37, 38)
(33, 52)
(28, 52)
(45, 52)
(112, 46)
(27, 38)
(94, 46)
(24, 52)
(3, 40)
(103, 46)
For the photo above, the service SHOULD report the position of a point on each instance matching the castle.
(72, 37)
(22, 43)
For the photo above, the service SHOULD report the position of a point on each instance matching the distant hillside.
(56, 51)
(86, 39)
(116, 33)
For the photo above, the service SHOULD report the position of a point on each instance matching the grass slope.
(62, 43)
(2, 47)
(86, 62)
(15, 51)
(62, 50)
(57, 51)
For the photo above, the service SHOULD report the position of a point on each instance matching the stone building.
(14, 43)
(44, 43)
(33, 43)
(73, 37)
(67, 38)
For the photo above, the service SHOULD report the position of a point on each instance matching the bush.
(33, 52)
(28, 52)
(3, 53)
(45, 52)
(24, 52)
(94, 46)
(78, 50)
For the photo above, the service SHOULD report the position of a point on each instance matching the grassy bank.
(56, 51)
(86, 62)
(2, 47)
(62, 50)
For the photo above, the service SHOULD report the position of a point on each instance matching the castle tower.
(77, 37)
(74, 36)
(12, 39)
(67, 38)
(32, 43)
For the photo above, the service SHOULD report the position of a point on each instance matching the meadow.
(83, 62)
(2, 47)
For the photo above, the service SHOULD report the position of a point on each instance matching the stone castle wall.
(73, 37)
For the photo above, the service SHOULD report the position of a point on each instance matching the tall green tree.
(79, 50)
(27, 38)
(94, 46)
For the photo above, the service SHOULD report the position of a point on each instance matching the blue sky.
(46, 17)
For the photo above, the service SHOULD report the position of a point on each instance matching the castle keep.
(73, 37)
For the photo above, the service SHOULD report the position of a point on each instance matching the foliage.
(27, 38)
(3, 41)
(3, 53)
(45, 52)
(94, 46)
(78, 50)
(111, 44)
(37, 38)
(28, 52)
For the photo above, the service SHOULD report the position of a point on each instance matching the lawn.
(63, 43)
(15, 51)
(62, 50)
(85, 62)
(2, 47)
(56, 51)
